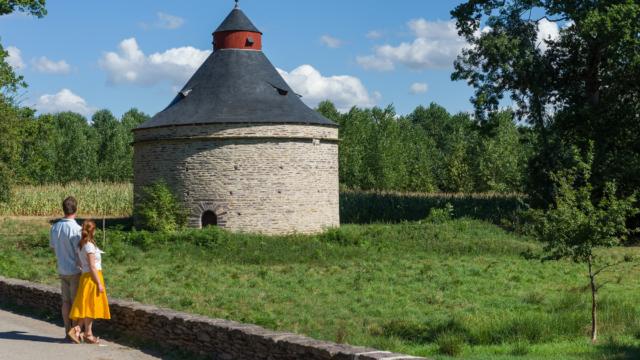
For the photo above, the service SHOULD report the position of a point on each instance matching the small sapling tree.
(577, 225)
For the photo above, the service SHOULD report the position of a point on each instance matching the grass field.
(461, 287)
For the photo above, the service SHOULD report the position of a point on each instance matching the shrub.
(159, 210)
(441, 215)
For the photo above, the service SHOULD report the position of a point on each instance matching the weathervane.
(237, 5)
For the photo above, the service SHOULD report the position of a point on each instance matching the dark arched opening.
(209, 218)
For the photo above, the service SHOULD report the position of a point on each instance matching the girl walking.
(91, 299)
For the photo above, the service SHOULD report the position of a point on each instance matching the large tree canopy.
(577, 87)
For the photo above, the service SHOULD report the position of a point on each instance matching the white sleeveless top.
(89, 248)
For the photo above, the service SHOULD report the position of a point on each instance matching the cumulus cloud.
(43, 64)
(331, 42)
(374, 34)
(64, 100)
(344, 91)
(129, 65)
(418, 88)
(435, 46)
(15, 58)
(167, 21)
(547, 30)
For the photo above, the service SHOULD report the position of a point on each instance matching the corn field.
(94, 199)
(356, 207)
(363, 207)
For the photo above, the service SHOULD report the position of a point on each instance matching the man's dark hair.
(69, 206)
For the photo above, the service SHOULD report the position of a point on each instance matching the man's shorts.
(69, 287)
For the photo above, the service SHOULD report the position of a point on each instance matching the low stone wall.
(212, 338)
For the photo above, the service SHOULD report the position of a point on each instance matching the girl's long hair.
(88, 232)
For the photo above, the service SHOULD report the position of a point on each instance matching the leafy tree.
(33, 7)
(37, 151)
(75, 147)
(575, 228)
(328, 110)
(576, 88)
(130, 120)
(10, 82)
(500, 157)
(114, 157)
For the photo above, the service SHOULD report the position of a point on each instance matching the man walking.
(65, 236)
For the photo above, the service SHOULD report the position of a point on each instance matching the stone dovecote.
(239, 148)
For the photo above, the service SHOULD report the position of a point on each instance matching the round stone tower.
(239, 148)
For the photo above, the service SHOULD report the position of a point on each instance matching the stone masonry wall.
(272, 179)
(212, 338)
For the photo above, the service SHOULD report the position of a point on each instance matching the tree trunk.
(594, 303)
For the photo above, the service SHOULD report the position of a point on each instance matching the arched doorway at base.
(209, 218)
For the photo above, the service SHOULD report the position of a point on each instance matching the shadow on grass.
(613, 350)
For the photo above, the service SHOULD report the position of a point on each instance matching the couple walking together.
(84, 297)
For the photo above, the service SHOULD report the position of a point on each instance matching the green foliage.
(33, 7)
(5, 184)
(158, 209)
(573, 89)
(429, 150)
(441, 215)
(65, 147)
(578, 224)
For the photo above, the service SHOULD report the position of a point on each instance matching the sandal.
(90, 339)
(74, 335)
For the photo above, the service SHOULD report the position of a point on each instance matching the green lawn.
(430, 288)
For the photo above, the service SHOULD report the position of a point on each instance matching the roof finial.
(237, 5)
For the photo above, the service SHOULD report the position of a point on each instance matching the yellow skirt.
(89, 303)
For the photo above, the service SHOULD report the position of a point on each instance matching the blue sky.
(88, 55)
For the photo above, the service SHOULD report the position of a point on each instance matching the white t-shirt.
(89, 248)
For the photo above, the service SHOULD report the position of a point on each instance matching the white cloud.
(331, 42)
(418, 88)
(435, 46)
(374, 34)
(64, 100)
(372, 62)
(344, 91)
(15, 58)
(547, 30)
(43, 64)
(130, 65)
(167, 21)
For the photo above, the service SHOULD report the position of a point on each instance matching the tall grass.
(95, 199)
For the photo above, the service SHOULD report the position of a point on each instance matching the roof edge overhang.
(334, 125)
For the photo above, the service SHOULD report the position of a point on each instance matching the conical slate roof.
(236, 86)
(237, 21)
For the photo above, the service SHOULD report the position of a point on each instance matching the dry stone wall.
(212, 338)
(272, 179)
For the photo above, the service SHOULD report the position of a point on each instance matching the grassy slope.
(403, 287)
